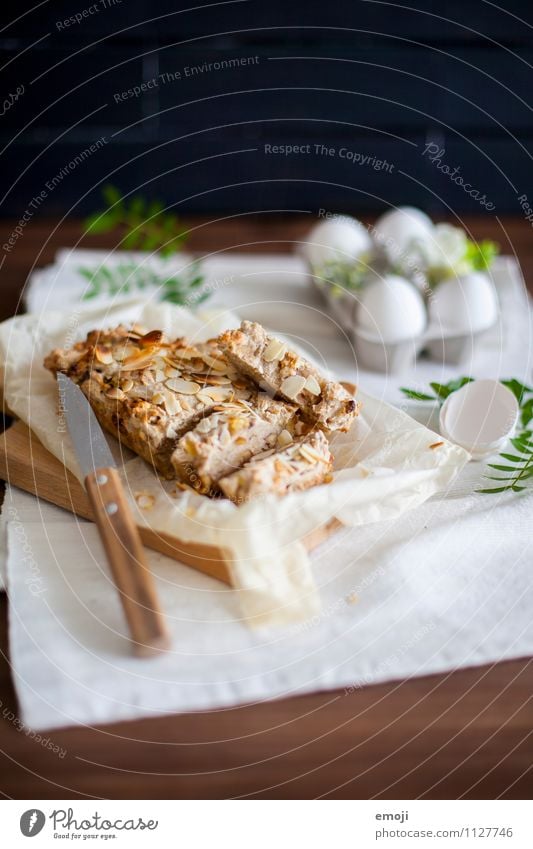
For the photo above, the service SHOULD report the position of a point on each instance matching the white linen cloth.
(444, 586)
(440, 587)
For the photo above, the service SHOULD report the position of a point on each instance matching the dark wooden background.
(380, 78)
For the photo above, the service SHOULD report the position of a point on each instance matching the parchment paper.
(384, 466)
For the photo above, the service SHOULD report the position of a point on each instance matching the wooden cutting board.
(26, 463)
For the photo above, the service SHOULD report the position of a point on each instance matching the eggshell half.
(480, 416)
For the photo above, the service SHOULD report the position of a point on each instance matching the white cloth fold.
(443, 587)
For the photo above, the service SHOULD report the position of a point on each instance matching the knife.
(118, 532)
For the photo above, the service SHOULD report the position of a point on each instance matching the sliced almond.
(154, 337)
(312, 385)
(217, 380)
(139, 360)
(103, 356)
(217, 393)
(160, 376)
(292, 386)
(204, 398)
(126, 385)
(170, 371)
(311, 455)
(212, 362)
(275, 350)
(116, 393)
(125, 352)
(158, 398)
(184, 387)
(145, 500)
(172, 405)
(284, 439)
(147, 377)
(185, 353)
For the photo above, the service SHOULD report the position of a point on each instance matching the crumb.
(145, 500)
(436, 444)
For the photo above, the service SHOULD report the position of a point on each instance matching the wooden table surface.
(464, 734)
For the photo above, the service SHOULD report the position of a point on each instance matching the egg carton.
(373, 354)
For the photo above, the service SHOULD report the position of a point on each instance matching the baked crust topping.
(241, 415)
(269, 362)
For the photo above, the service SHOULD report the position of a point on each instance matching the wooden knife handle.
(127, 561)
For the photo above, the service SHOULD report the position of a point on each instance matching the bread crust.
(277, 369)
(304, 463)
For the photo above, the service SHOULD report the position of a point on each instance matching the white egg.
(464, 304)
(397, 229)
(392, 309)
(341, 239)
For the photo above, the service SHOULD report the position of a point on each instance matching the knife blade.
(90, 444)
(118, 532)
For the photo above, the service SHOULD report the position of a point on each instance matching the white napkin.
(443, 587)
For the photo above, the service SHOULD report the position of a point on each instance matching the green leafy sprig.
(147, 227)
(343, 276)
(515, 469)
(441, 390)
(183, 289)
(481, 255)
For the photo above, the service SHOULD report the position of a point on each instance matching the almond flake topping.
(103, 356)
(312, 385)
(292, 386)
(154, 337)
(145, 500)
(311, 455)
(184, 387)
(217, 393)
(217, 379)
(172, 405)
(217, 365)
(204, 399)
(139, 360)
(284, 439)
(125, 352)
(170, 371)
(116, 393)
(275, 350)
